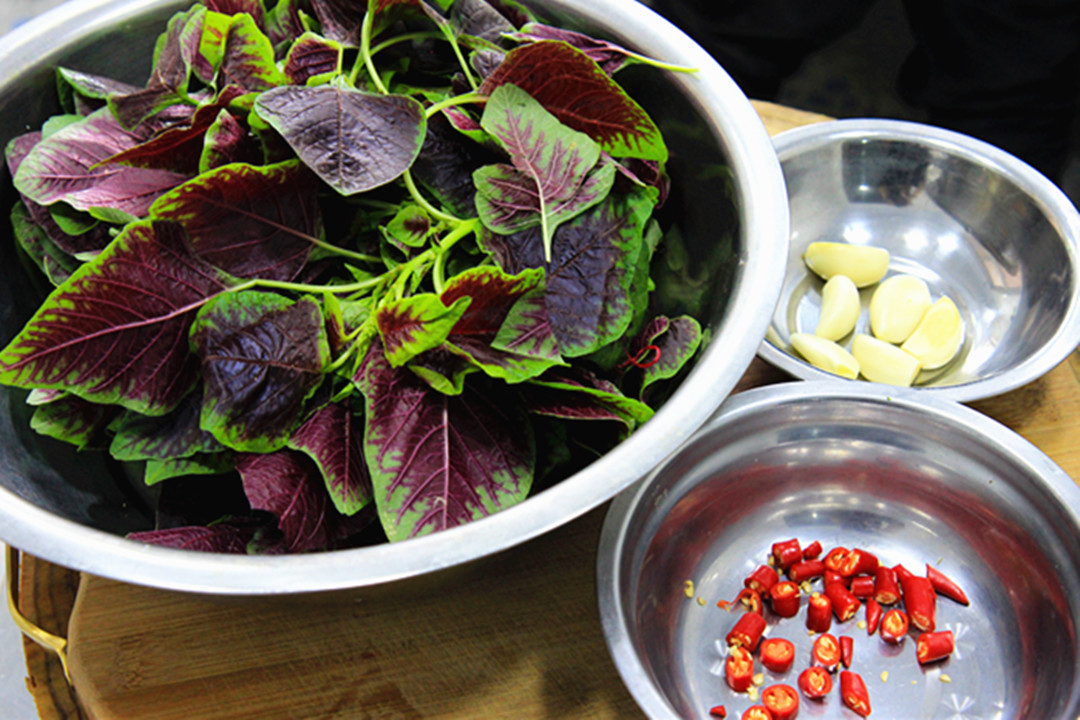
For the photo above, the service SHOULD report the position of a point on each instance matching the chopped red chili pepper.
(781, 701)
(831, 576)
(862, 586)
(853, 692)
(787, 553)
(812, 551)
(739, 668)
(835, 558)
(784, 599)
(806, 570)
(945, 586)
(718, 711)
(894, 625)
(844, 604)
(777, 654)
(847, 650)
(761, 579)
(826, 652)
(819, 613)
(747, 631)
(920, 601)
(858, 562)
(815, 682)
(901, 572)
(751, 600)
(886, 591)
(757, 712)
(873, 616)
(934, 646)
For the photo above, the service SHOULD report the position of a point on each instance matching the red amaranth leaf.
(218, 538)
(334, 438)
(249, 221)
(607, 55)
(117, 330)
(248, 58)
(438, 461)
(311, 56)
(578, 92)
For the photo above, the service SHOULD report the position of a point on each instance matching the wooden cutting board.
(518, 638)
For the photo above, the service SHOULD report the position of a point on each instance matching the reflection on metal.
(52, 643)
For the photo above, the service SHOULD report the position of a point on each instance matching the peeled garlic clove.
(864, 264)
(825, 355)
(938, 336)
(897, 306)
(883, 362)
(839, 308)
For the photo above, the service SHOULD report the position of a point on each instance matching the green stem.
(448, 32)
(453, 100)
(423, 203)
(438, 275)
(404, 37)
(659, 64)
(306, 288)
(365, 53)
(344, 252)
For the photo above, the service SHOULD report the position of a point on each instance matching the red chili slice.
(844, 604)
(886, 591)
(920, 601)
(750, 600)
(812, 551)
(815, 682)
(945, 586)
(757, 712)
(739, 668)
(819, 613)
(747, 631)
(873, 616)
(862, 586)
(934, 646)
(787, 553)
(847, 650)
(762, 579)
(826, 652)
(718, 711)
(806, 570)
(784, 599)
(781, 701)
(853, 692)
(831, 576)
(835, 558)
(777, 654)
(894, 626)
(858, 562)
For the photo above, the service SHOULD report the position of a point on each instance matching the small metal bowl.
(914, 480)
(974, 222)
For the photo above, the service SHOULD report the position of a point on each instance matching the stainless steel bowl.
(907, 476)
(72, 509)
(974, 222)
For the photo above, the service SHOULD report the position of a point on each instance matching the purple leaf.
(353, 140)
(222, 537)
(262, 357)
(577, 394)
(311, 56)
(66, 167)
(175, 435)
(340, 19)
(552, 178)
(334, 438)
(249, 221)
(283, 22)
(677, 341)
(594, 257)
(287, 484)
(438, 461)
(248, 58)
(116, 332)
(446, 164)
(88, 92)
(582, 96)
(226, 142)
(607, 55)
(254, 8)
(478, 18)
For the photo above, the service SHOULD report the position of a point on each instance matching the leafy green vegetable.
(338, 261)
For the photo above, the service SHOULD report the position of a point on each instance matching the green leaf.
(410, 326)
(73, 420)
(203, 464)
(248, 58)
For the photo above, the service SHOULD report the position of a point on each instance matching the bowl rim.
(626, 506)
(763, 200)
(1054, 203)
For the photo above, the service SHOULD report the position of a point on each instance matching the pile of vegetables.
(337, 262)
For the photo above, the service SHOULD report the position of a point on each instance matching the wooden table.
(521, 639)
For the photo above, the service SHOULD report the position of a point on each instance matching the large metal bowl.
(727, 199)
(974, 222)
(909, 477)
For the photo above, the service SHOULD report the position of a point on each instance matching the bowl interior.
(705, 268)
(974, 223)
(910, 485)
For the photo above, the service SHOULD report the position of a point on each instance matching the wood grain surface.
(518, 638)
